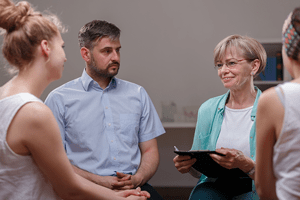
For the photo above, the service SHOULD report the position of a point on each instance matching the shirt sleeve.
(55, 103)
(150, 124)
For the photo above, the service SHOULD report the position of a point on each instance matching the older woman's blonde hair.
(248, 47)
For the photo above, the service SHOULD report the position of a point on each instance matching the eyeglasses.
(230, 64)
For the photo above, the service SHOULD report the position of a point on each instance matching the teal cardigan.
(209, 122)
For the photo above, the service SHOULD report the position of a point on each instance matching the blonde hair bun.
(12, 16)
(24, 29)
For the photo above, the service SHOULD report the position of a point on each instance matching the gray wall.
(167, 47)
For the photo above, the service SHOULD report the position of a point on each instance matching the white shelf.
(179, 124)
(267, 82)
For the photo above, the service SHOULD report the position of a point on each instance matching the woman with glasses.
(278, 125)
(226, 123)
(33, 162)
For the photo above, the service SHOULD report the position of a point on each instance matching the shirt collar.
(221, 106)
(87, 81)
(253, 113)
(113, 83)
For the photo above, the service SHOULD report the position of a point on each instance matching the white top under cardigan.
(20, 178)
(235, 130)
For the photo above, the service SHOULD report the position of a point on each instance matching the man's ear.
(45, 48)
(85, 54)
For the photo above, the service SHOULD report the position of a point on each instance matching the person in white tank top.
(278, 125)
(33, 163)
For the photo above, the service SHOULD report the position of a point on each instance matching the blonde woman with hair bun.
(32, 158)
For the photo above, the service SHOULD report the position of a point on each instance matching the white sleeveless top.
(286, 156)
(20, 178)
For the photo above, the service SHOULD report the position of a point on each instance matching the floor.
(174, 193)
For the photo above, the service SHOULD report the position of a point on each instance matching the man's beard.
(103, 73)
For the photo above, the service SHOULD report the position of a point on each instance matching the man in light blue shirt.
(108, 126)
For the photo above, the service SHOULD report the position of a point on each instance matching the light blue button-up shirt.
(102, 128)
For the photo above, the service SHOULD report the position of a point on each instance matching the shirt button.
(114, 158)
(252, 156)
(109, 124)
(112, 141)
(106, 107)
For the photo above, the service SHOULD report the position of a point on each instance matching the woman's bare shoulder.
(270, 108)
(268, 96)
(34, 114)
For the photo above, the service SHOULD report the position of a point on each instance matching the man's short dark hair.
(93, 31)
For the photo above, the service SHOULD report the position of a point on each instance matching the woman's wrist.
(195, 173)
(249, 167)
(252, 171)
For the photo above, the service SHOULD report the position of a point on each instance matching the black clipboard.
(207, 166)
